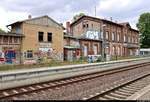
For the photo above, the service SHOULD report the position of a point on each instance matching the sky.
(64, 10)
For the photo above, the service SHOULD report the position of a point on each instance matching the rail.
(11, 79)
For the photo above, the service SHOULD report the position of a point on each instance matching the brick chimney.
(68, 27)
(29, 16)
(111, 18)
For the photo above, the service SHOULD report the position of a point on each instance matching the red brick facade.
(120, 39)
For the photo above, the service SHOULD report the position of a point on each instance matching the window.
(113, 36)
(132, 40)
(15, 40)
(10, 40)
(29, 54)
(49, 37)
(95, 50)
(129, 39)
(113, 50)
(18, 29)
(118, 37)
(107, 35)
(5, 39)
(85, 51)
(41, 36)
(85, 24)
(124, 38)
(118, 51)
(92, 26)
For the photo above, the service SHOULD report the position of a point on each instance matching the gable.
(44, 21)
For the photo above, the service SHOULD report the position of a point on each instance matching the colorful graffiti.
(52, 54)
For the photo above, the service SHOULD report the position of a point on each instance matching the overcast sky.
(63, 10)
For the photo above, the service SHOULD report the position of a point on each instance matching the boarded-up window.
(15, 40)
(5, 40)
(10, 40)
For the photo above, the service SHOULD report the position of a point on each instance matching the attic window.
(18, 29)
(85, 24)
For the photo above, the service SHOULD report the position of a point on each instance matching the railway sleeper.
(118, 95)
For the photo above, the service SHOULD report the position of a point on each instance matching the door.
(85, 51)
(95, 50)
(69, 56)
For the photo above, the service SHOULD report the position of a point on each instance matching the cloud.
(64, 10)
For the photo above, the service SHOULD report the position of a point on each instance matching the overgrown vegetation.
(56, 63)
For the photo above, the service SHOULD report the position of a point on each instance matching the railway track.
(124, 91)
(26, 91)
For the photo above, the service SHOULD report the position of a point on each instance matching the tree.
(77, 16)
(144, 27)
(2, 31)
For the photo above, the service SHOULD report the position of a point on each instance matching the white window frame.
(107, 35)
(118, 37)
(129, 39)
(124, 38)
(113, 36)
(95, 49)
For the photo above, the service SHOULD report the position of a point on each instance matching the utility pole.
(95, 10)
(103, 41)
(95, 7)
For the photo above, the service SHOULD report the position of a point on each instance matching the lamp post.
(103, 41)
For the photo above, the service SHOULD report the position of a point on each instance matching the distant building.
(145, 52)
(43, 39)
(84, 37)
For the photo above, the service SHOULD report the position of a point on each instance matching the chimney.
(111, 18)
(61, 24)
(29, 17)
(68, 27)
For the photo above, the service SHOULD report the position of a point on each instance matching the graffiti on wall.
(9, 55)
(47, 53)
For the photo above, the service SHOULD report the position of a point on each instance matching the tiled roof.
(36, 18)
(12, 34)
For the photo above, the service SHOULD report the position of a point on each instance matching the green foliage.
(2, 31)
(99, 59)
(144, 27)
(78, 16)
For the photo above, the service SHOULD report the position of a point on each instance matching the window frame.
(113, 37)
(28, 54)
(107, 35)
(42, 36)
(48, 36)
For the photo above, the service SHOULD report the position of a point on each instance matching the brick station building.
(43, 39)
(10, 48)
(84, 37)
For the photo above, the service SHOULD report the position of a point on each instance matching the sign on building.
(45, 45)
(45, 49)
(92, 34)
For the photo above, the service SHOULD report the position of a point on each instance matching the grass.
(127, 57)
(55, 63)
(51, 64)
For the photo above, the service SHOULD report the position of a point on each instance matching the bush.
(99, 59)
